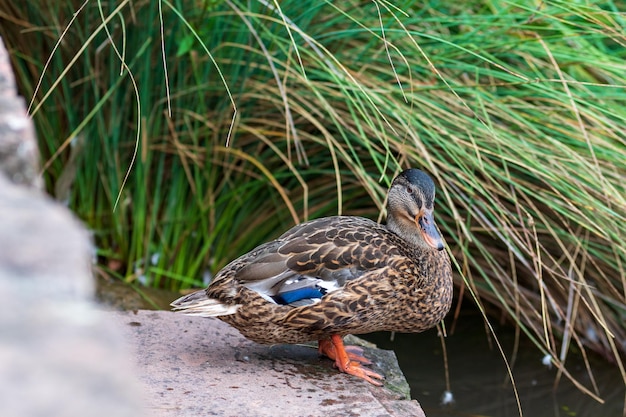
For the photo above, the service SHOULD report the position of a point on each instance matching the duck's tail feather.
(198, 304)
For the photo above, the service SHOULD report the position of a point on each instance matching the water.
(478, 376)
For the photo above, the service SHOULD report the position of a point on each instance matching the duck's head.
(410, 206)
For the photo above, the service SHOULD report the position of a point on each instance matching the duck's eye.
(409, 189)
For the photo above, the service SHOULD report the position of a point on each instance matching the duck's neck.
(408, 233)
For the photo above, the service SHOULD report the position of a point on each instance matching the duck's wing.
(312, 259)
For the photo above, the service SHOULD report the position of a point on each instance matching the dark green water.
(478, 375)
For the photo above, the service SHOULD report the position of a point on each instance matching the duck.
(330, 277)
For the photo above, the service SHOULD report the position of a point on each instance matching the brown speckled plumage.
(364, 276)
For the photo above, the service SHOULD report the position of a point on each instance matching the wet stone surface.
(195, 366)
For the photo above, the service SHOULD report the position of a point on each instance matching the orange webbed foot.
(349, 360)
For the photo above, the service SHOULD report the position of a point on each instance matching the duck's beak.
(426, 224)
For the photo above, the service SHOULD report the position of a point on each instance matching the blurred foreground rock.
(19, 155)
(58, 355)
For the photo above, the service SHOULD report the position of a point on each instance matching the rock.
(59, 356)
(193, 366)
(19, 155)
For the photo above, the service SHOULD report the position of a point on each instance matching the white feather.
(197, 304)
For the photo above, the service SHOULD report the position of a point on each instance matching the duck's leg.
(348, 360)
